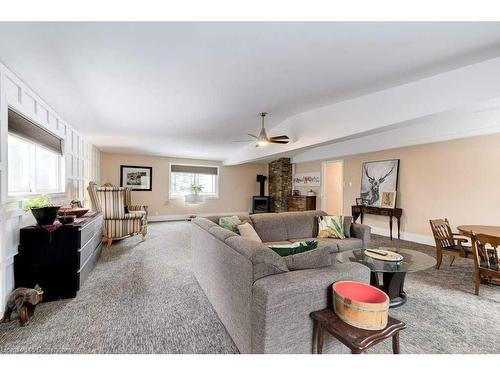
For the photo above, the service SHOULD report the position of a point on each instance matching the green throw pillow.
(331, 227)
(294, 248)
(231, 223)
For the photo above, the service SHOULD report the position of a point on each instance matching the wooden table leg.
(395, 343)
(399, 224)
(319, 346)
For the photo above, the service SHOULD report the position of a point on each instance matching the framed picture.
(137, 178)
(360, 202)
(388, 199)
(376, 177)
(307, 179)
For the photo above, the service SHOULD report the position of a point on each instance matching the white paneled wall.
(82, 163)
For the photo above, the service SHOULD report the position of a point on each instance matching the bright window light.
(32, 168)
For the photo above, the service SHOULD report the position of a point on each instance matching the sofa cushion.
(317, 258)
(265, 261)
(271, 243)
(204, 223)
(221, 233)
(349, 244)
(247, 231)
(215, 218)
(270, 227)
(300, 224)
(337, 245)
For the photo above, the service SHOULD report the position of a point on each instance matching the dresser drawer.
(88, 266)
(88, 231)
(86, 251)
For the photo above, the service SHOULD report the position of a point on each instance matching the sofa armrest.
(363, 232)
(281, 305)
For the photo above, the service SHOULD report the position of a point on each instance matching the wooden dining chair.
(447, 242)
(485, 252)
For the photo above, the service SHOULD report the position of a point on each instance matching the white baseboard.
(413, 237)
(185, 216)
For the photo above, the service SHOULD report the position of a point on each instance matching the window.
(35, 157)
(32, 168)
(183, 176)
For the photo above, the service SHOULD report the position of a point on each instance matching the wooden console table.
(301, 203)
(360, 211)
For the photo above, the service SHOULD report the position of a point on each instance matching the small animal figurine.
(24, 300)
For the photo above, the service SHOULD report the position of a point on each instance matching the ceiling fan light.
(262, 142)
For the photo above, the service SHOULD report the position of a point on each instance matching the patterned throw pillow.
(247, 231)
(331, 227)
(231, 223)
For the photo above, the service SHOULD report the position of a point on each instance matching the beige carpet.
(143, 298)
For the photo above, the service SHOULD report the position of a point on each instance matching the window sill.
(23, 196)
(205, 197)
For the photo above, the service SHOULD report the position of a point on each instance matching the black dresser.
(59, 260)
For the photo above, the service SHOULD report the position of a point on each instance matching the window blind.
(194, 169)
(27, 129)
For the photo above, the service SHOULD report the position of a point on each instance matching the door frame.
(323, 182)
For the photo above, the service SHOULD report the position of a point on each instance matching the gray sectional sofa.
(263, 304)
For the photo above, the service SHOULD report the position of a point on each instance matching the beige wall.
(456, 179)
(237, 185)
(333, 188)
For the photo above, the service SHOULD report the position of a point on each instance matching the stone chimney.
(280, 183)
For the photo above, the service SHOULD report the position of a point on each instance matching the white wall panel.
(81, 165)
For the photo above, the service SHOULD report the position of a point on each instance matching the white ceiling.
(189, 89)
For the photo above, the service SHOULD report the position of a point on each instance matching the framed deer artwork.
(377, 177)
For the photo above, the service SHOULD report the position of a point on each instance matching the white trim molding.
(413, 237)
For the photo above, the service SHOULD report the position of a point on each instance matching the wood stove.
(261, 203)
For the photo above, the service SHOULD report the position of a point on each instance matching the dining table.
(489, 230)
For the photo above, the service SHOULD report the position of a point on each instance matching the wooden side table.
(360, 211)
(356, 339)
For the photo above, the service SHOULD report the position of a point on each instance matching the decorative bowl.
(65, 211)
(45, 215)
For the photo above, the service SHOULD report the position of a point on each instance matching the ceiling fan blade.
(280, 137)
(283, 142)
(251, 135)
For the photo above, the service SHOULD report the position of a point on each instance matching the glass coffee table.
(393, 273)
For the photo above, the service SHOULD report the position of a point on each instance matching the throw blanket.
(294, 248)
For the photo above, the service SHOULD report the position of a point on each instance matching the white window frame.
(171, 195)
(33, 191)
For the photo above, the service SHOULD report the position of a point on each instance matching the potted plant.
(195, 191)
(44, 212)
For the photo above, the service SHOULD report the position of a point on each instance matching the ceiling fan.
(263, 139)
